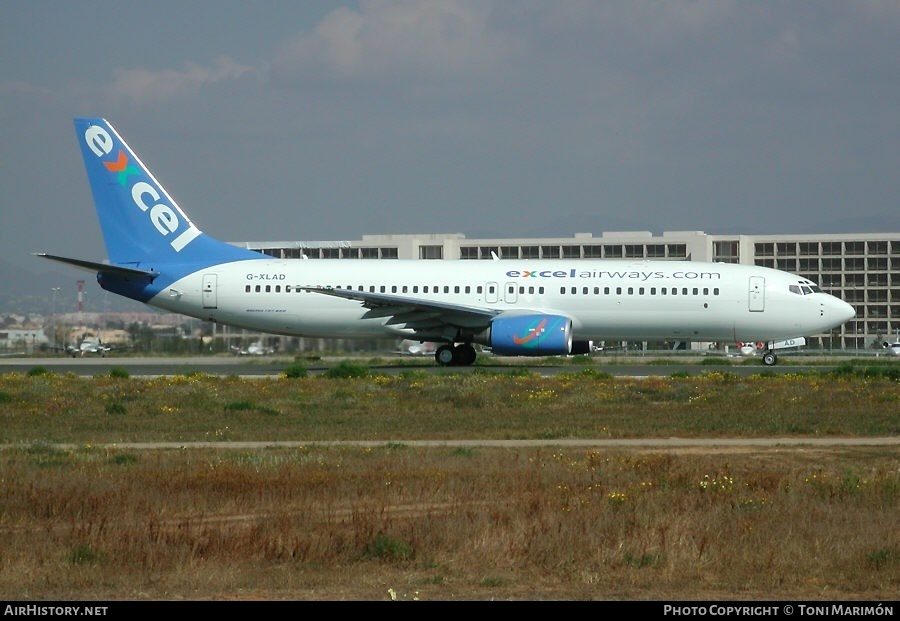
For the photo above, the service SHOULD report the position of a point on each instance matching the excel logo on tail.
(167, 220)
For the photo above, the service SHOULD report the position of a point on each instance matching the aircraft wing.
(425, 317)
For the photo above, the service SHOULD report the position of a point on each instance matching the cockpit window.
(805, 288)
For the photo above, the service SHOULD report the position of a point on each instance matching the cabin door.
(757, 294)
(209, 291)
(509, 293)
(491, 292)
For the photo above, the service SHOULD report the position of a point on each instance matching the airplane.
(409, 347)
(89, 345)
(157, 255)
(255, 348)
(893, 348)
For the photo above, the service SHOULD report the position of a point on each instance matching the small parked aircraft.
(89, 345)
(253, 349)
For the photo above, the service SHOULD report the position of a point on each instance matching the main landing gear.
(461, 355)
(769, 358)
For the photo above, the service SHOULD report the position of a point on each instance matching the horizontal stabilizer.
(130, 273)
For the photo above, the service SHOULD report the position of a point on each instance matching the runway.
(273, 366)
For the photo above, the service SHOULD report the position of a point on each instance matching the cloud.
(145, 86)
(410, 38)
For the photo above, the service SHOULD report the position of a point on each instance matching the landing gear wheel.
(769, 358)
(444, 356)
(464, 354)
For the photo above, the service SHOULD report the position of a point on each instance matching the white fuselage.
(606, 299)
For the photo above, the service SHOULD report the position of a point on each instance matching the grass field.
(393, 521)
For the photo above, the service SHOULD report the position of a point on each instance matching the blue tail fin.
(142, 225)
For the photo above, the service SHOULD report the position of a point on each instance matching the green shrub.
(347, 369)
(84, 554)
(296, 370)
(119, 372)
(38, 370)
(114, 407)
(388, 548)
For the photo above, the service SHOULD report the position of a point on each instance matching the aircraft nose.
(843, 311)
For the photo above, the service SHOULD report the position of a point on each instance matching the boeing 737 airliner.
(158, 256)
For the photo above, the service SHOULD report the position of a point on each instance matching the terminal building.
(862, 269)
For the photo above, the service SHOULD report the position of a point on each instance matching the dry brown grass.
(353, 523)
(331, 523)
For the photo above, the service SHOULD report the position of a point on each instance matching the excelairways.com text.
(602, 274)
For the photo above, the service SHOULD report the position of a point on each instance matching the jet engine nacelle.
(530, 335)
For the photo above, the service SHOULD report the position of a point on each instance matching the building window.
(856, 247)
(856, 264)
(571, 252)
(389, 253)
(809, 265)
(786, 248)
(468, 252)
(725, 251)
(877, 247)
(764, 249)
(677, 250)
(634, 251)
(809, 248)
(611, 251)
(787, 265)
(831, 248)
(431, 252)
(550, 252)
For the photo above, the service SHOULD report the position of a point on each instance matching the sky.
(315, 120)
